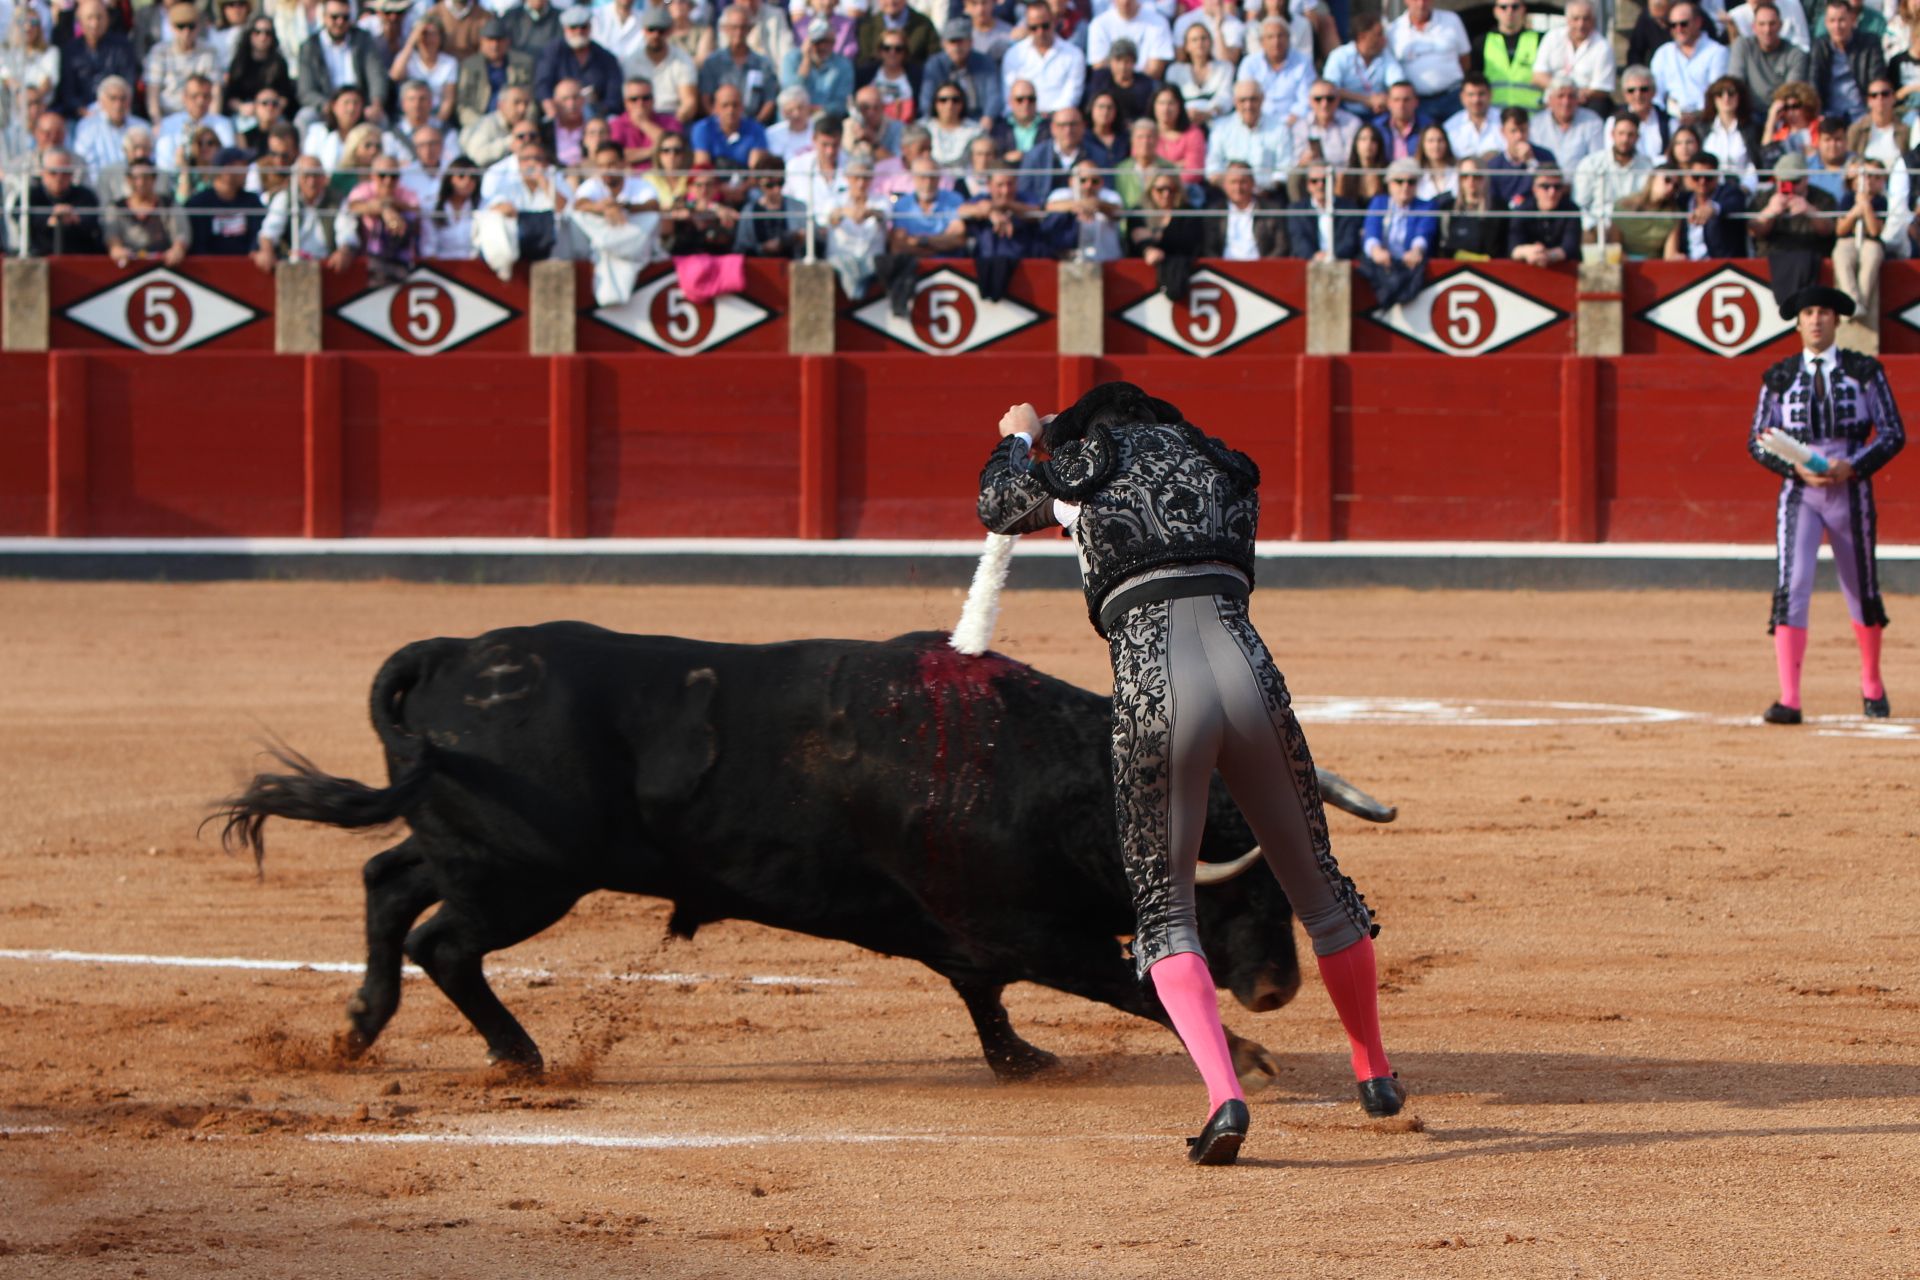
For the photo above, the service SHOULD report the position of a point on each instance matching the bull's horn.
(1221, 872)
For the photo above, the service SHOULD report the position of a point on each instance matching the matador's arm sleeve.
(1012, 499)
(1766, 415)
(1889, 433)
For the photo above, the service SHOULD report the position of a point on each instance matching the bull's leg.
(1010, 1057)
(399, 888)
(452, 944)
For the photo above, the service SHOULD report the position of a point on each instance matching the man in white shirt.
(1248, 137)
(1685, 65)
(1432, 45)
(98, 137)
(1474, 130)
(1057, 70)
(311, 234)
(1566, 128)
(1326, 124)
(666, 66)
(1126, 20)
(175, 131)
(1604, 177)
(815, 179)
(429, 165)
(1282, 72)
(616, 28)
(1581, 54)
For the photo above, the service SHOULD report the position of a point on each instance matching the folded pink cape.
(704, 275)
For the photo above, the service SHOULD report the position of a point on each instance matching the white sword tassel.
(974, 632)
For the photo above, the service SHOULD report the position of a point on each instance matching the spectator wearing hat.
(893, 17)
(1397, 236)
(667, 69)
(966, 69)
(1142, 27)
(196, 111)
(575, 56)
(486, 73)
(531, 26)
(1054, 67)
(170, 63)
(813, 66)
(90, 51)
(1794, 228)
(337, 55)
(64, 215)
(224, 218)
(735, 63)
(1131, 91)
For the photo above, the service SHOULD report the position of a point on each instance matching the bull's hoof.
(516, 1063)
(354, 1043)
(1022, 1062)
(1255, 1067)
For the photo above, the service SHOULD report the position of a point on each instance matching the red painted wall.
(23, 444)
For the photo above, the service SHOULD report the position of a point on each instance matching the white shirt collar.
(1829, 358)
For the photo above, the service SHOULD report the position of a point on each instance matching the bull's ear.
(679, 743)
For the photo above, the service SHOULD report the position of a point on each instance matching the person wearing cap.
(224, 217)
(1132, 92)
(1794, 229)
(181, 55)
(959, 64)
(337, 55)
(90, 52)
(812, 65)
(1397, 236)
(575, 56)
(665, 66)
(1140, 26)
(482, 76)
(1838, 404)
(735, 63)
(388, 22)
(531, 26)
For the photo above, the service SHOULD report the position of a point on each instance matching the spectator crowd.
(874, 132)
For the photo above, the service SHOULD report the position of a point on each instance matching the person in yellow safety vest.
(1506, 57)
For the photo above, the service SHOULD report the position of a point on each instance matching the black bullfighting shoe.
(1876, 708)
(1382, 1096)
(1219, 1142)
(1781, 713)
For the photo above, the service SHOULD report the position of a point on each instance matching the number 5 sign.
(1729, 313)
(661, 315)
(1466, 313)
(424, 314)
(160, 312)
(1217, 315)
(948, 316)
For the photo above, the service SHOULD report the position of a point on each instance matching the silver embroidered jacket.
(1151, 495)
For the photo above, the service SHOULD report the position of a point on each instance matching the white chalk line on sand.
(1510, 713)
(699, 1141)
(410, 971)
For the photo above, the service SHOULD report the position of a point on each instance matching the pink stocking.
(1789, 650)
(1186, 989)
(1869, 638)
(1354, 986)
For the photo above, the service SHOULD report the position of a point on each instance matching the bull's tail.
(306, 794)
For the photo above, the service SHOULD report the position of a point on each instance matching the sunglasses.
(1039, 26)
(386, 177)
(1879, 93)
(525, 137)
(1022, 97)
(1400, 182)
(773, 182)
(639, 97)
(1321, 97)
(1681, 25)
(1547, 186)
(1316, 182)
(1638, 88)
(893, 48)
(949, 97)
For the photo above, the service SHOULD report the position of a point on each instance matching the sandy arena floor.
(1654, 982)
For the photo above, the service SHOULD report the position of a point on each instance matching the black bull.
(895, 795)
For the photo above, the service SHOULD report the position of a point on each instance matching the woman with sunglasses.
(195, 175)
(1729, 134)
(1156, 231)
(1468, 232)
(1182, 143)
(144, 224)
(1792, 116)
(898, 97)
(1164, 518)
(446, 230)
(948, 129)
(358, 151)
(672, 161)
(257, 64)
